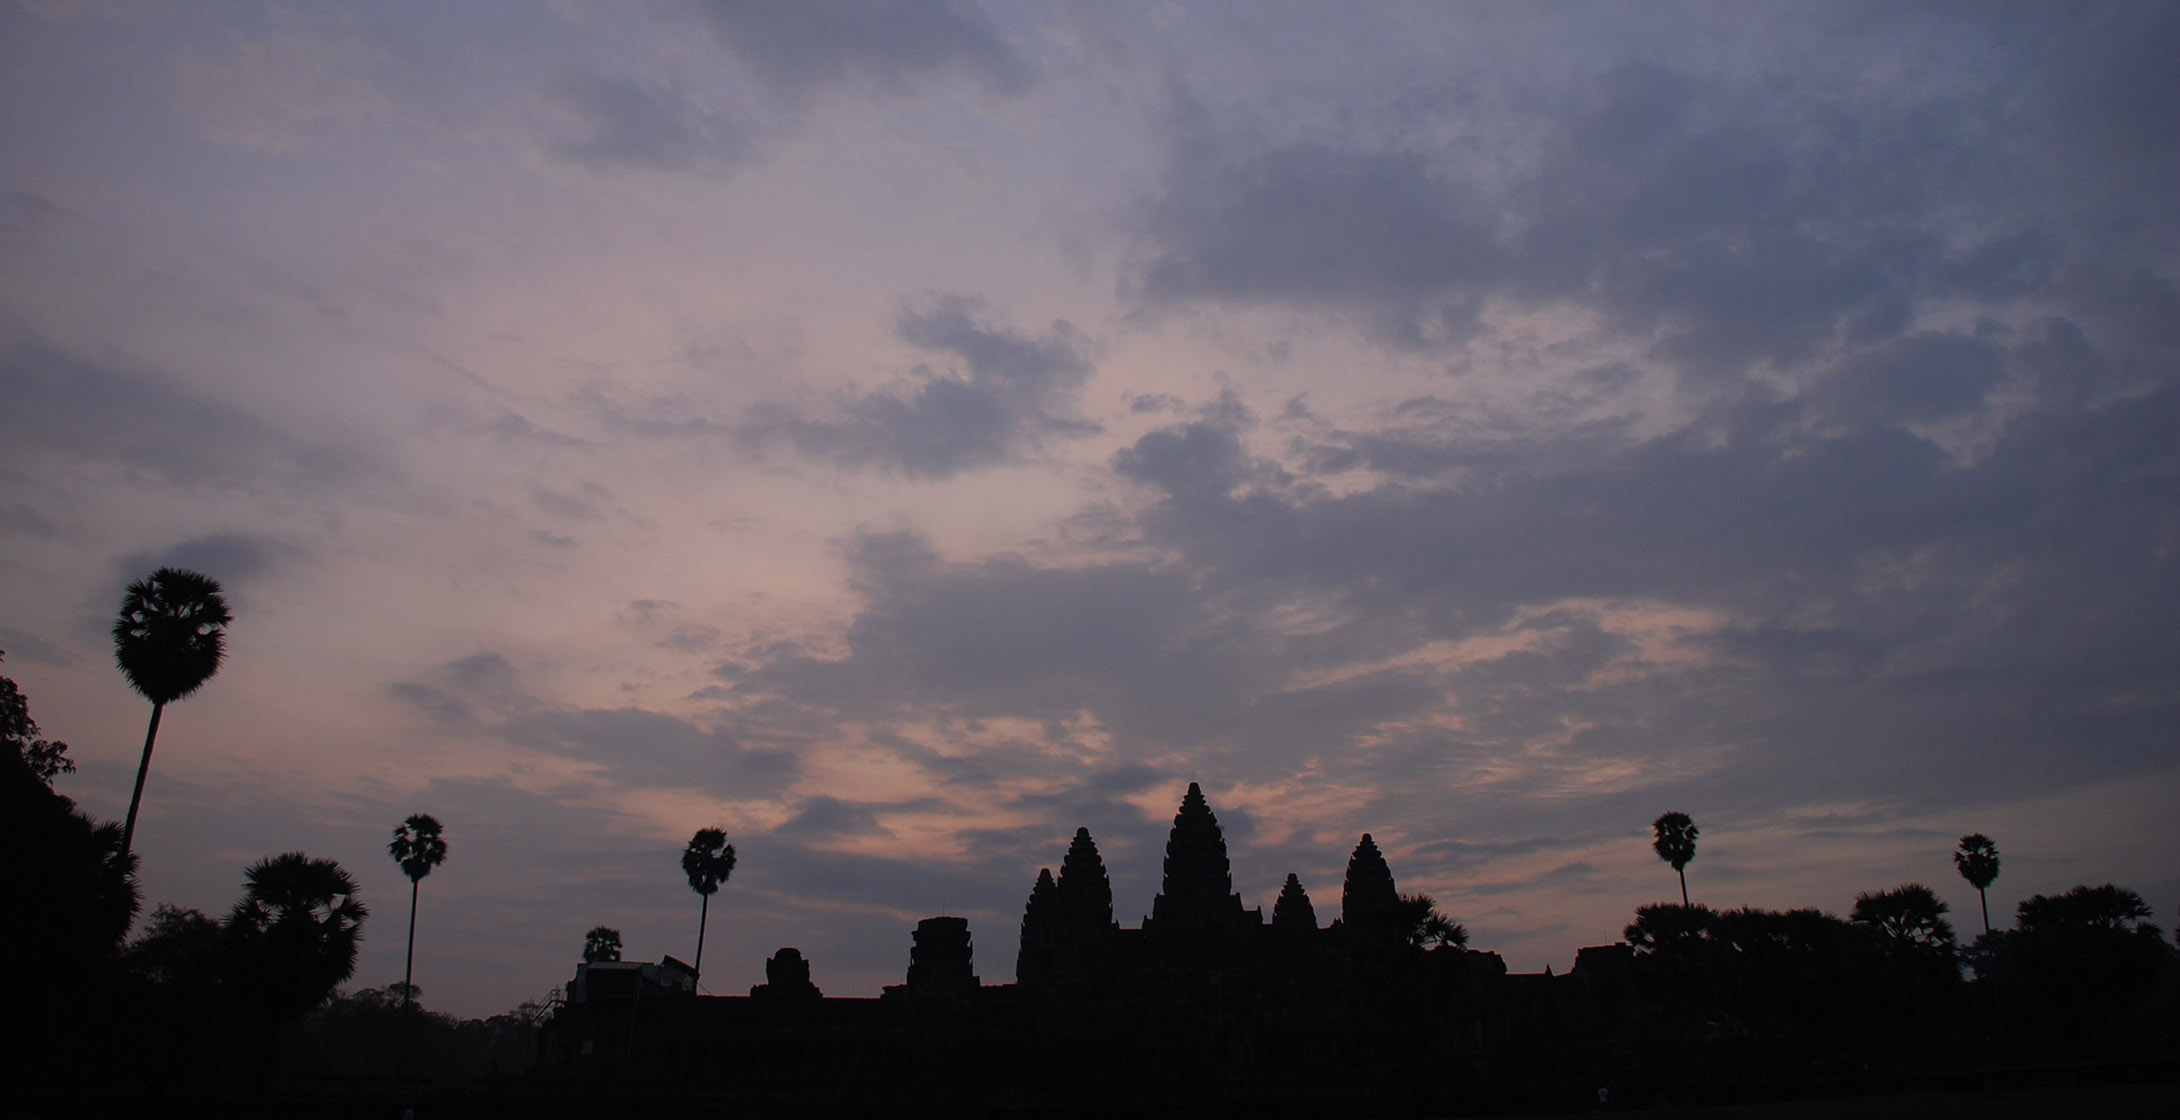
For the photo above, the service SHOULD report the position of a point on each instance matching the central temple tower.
(1197, 899)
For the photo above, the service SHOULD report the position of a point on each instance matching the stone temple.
(1205, 998)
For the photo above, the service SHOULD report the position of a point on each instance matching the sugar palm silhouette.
(602, 943)
(1676, 844)
(1977, 860)
(418, 847)
(1910, 916)
(169, 639)
(707, 861)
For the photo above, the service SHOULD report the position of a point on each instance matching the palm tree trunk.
(151, 734)
(408, 985)
(1986, 901)
(703, 916)
(1682, 872)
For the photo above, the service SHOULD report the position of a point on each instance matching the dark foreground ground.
(2116, 1100)
(2144, 1100)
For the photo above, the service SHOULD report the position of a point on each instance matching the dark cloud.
(511, 426)
(31, 648)
(20, 519)
(800, 48)
(466, 690)
(827, 817)
(651, 749)
(622, 123)
(1725, 224)
(1924, 377)
(634, 746)
(61, 405)
(1306, 223)
(1002, 394)
(237, 560)
(1003, 638)
(1883, 589)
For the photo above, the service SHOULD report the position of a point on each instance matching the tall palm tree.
(168, 639)
(1676, 844)
(1977, 860)
(417, 847)
(708, 860)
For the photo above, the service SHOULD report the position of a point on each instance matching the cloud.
(800, 48)
(621, 123)
(31, 648)
(277, 90)
(64, 406)
(1720, 225)
(237, 560)
(641, 748)
(467, 690)
(821, 817)
(1003, 638)
(632, 747)
(1924, 377)
(1313, 224)
(1000, 398)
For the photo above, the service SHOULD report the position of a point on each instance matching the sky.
(900, 433)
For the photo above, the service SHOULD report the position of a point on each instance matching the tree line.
(2076, 974)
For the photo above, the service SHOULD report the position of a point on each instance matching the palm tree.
(708, 860)
(1676, 844)
(602, 943)
(1910, 917)
(1417, 920)
(1977, 860)
(417, 847)
(295, 931)
(168, 640)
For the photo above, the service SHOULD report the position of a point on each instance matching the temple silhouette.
(1206, 999)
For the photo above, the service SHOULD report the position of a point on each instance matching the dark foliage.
(602, 943)
(70, 894)
(293, 935)
(355, 1036)
(19, 737)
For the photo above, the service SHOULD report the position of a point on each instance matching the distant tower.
(940, 961)
(1035, 961)
(1293, 914)
(1067, 928)
(1198, 896)
(787, 979)
(1084, 898)
(1368, 892)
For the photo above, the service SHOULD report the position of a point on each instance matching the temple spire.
(1293, 912)
(1034, 961)
(1368, 891)
(1084, 897)
(1199, 884)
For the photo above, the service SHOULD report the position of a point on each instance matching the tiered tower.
(1039, 954)
(1198, 898)
(1292, 915)
(941, 962)
(1067, 928)
(1368, 893)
